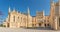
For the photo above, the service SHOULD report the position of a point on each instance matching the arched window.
(48, 24)
(14, 18)
(18, 17)
(45, 25)
(59, 21)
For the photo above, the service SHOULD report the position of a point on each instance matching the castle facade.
(17, 19)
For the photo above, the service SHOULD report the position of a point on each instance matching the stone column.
(56, 23)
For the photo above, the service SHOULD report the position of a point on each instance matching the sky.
(22, 5)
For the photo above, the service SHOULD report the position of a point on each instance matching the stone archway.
(39, 24)
(45, 25)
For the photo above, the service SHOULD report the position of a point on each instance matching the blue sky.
(22, 5)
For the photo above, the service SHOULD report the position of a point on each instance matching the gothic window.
(45, 25)
(14, 18)
(57, 10)
(48, 24)
(18, 17)
(59, 21)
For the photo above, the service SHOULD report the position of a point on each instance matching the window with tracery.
(14, 18)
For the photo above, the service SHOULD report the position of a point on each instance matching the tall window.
(18, 17)
(9, 16)
(14, 18)
(57, 10)
(59, 21)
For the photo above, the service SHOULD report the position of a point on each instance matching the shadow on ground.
(39, 28)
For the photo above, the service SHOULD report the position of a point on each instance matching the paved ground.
(2, 29)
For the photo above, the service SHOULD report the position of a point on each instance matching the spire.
(28, 11)
(43, 13)
(9, 10)
(51, 2)
(59, 2)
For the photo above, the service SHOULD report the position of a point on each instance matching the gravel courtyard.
(2, 29)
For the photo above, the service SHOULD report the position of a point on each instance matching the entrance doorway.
(7, 24)
(45, 25)
(39, 24)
